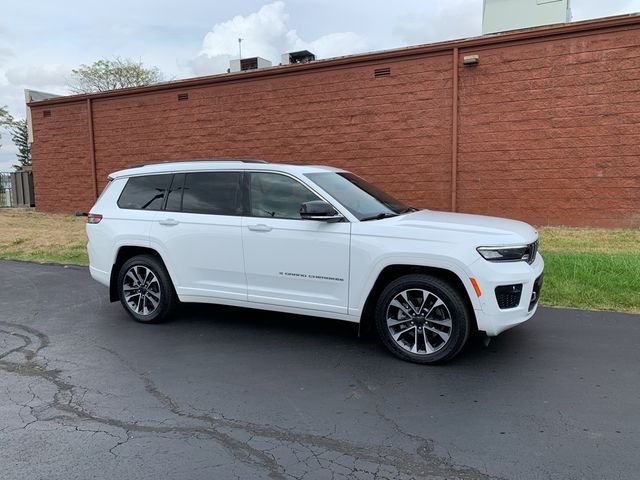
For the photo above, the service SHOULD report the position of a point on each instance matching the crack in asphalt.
(279, 452)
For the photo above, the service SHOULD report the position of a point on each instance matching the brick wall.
(549, 132)
(62, 179)
(548, 129)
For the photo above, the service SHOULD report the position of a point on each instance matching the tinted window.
(277, 196)
(144, 193)
(359, 197)
(174, 197)
(216, 193)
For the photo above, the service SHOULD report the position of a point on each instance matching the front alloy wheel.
(419, 321)
(422, 319)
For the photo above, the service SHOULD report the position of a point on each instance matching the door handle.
(169, 222)
(260, 228)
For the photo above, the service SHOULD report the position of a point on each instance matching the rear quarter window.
(145, 192)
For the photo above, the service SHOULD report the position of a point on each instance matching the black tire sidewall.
(460, 317)
(167, 294)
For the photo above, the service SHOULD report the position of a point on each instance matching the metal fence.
(16, 188)
(6, 199)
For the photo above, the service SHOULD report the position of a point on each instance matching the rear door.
(199, 235)
(290, 261)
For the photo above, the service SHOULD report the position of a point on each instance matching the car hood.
(439, 225)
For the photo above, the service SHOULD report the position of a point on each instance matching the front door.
(290, 261)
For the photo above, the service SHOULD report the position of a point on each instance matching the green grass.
(589, 268)
(597, 281)
(70, 255)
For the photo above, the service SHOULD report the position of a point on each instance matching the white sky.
(41, 41)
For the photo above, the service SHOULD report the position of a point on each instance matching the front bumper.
(490, 317)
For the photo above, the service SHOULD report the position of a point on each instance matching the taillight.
(94, 218)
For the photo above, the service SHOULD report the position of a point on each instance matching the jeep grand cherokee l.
(310, 240)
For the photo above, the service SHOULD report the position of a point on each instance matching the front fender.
(363, 280)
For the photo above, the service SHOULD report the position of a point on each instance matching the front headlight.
(506, 254)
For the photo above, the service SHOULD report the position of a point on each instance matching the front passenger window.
(277, 196)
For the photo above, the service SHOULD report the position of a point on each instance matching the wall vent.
(382, 72)
(46, 113)
(183, 96)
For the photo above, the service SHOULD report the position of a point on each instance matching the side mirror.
(319, 210)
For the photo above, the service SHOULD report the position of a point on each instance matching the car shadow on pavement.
(315, 333)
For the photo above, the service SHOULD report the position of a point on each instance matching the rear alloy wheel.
(145, 289)
(422, 319)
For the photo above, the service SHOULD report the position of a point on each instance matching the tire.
(145, 289)
(422, 319)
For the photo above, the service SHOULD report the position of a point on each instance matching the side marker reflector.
(475, 286)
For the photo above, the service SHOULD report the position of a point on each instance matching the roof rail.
(138, 165)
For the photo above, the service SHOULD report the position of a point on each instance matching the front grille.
(508, 296)
(535, 295)
(530, 254)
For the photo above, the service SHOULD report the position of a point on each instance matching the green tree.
(111, 74)
(19, 135)
(20, 138)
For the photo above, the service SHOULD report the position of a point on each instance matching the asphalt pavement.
(85, 392)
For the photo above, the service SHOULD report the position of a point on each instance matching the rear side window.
(144, 193)
(214, 193)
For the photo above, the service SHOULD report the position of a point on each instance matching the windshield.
(361, 198)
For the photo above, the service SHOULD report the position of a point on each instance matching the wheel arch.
(124, 253)
(394, 271)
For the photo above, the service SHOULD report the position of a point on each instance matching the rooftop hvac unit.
(303, 56)
(504, 15)
(244, 64)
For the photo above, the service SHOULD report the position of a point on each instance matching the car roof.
(212, 165)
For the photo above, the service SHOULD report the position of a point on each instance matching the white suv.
(314, 241)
